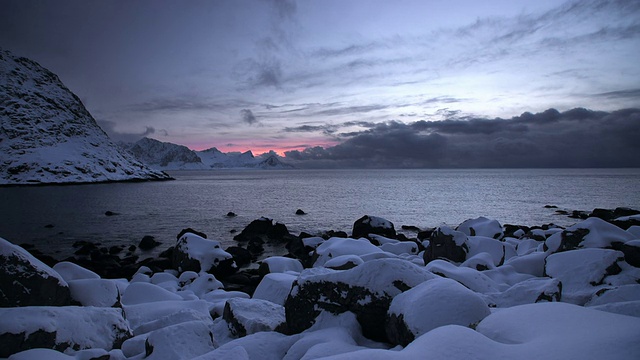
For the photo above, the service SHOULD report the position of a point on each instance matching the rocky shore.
(443, 293)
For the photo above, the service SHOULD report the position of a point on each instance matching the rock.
(550, 207)
(446, 243)
(265, 230)
(71, 271)
(432, 304)
(582, 271)
(61, 328)
(195, 253)
(111, 213)
(344, 262)
(335, 247)
(148, 242)
(366, 291)
(241, 256)
(142, 293)
(27, 281)
(410, 228)
(274, 287)
(180, 341)
(481, 227)
(190, 230)
(373, 225)
(528, 291)
(280, 264)
(618, 294)
(590, 233)
(631, 250)
(49, 226)
(249, 316)
(300, 212)
(95, 292)
(231, 214)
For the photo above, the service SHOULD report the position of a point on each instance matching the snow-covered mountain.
(168, 156)
(47, 135)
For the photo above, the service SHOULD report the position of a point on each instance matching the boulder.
(631, 250)
(582, 271)
(185, 340)
(372, 225)
(148, 242)
(335, 247)
(446, 243)
(27, 281)
(590, 233)
(344, 262)
(366, 291)
(241, 256)
(95, 292)
(61, 328)
(432, 304)
(249, 316)
(265, 229)
(482, 227)
(70, 271)
(529, 291)
(195, 253)
(280, 264)
(275, 287)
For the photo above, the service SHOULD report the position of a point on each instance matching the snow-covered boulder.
(180, 341)
(142, 292)
(446, 243)
(258, 346)
(529, 291)
(201, 284)
(140, 314)
(27, 281)
(401, 248)
(95, 292)
(373, 225)
(631, 250)
(280, 264)
(630, 292)
(48, 136)
(195, 253)
(582, 271)
(366, 290)
(249, 316)
(499, 251)
(432, 304)
(532, 263)
(335, 247)
(590, 233)
(61, 328)
(471, 278)
(70, 271)
(482, 227)
(344, 262)
(274, 287)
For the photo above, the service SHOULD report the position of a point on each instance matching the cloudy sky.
(345, 82)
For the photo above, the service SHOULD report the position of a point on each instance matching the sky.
(332, 83)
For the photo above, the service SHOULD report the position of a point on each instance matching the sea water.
(332, 199)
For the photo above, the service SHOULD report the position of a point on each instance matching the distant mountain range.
(167, 156)
(48, 136)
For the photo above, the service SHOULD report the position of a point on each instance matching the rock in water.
(373, 225)
(48, 136)
(26, 281)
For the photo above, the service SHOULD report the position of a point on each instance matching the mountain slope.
(47, 135)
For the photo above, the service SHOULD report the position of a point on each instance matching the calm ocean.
(332, 199)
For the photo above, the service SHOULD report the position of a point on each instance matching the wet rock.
(241, 256)
(631, 250)
(300, 212)
(231, 214)
(148, 242)
(264, 229)
(446, 243)
(373, 225)
(111, 213)
(190, 230)
(49, 226)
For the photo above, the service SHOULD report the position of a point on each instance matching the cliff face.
(48, 136)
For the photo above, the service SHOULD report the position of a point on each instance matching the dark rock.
(190, 230)
(300, 212)
(111, 213)
(241, 256)
(550, 207)
(509, 230)
(265, 230)
(49, 226)
(114, 250)
(148, 242)
(562, 212)
(332, 233)
(425, 234)
(631, 252)
(168, 253)
(132, 248)
(231, 214)
(86, 248)
(410, 228)
(445, 243)
(238, 310)
(26, 281)
(578, 214)
(373, 225)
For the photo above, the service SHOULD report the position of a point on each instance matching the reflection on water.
(332, 199)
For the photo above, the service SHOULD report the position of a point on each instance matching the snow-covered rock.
(70, 271)
(373, 225)
(274, 287)
(630, 292)
(61, 328)
(249, 316)
(344, 262)
(366, 290)
(180, 341)
(95, 292)
(27, 281)
(432, 304)
(446, 243)
(280, 264)
(582, 271)
(142, 292)
(140, 314)
(482, 227)
(335, 247)
(590, 233)
(529, 291)
(471, 278)
(49, 137)
(195, 253)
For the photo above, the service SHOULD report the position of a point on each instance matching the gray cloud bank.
(575, 138)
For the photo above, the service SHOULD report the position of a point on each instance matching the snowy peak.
(48, 136)
(168, 156)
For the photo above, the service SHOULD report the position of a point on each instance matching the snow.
(281, 264)
(86, 327)
(378, 222)
(70, 271)
(436, 303)
(635, 231)
(601, 234)
(481, 227)
(493, 247)
(140, 314)
(202, 284)
(399, 248)
(94, 292)
(141, 292)
(343, 246)
(39, 354)
(256, 315)
(458, 237)
(180, 341)
(205, 251)
(274, 287)
(630, 292)
(342, 260)
(473, 279)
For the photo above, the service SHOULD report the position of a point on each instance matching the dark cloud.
(109, 128)
(574, 138)
(624, 94)
(285, 9)
(248, 117)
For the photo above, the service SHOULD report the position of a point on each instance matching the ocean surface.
(332, 199)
